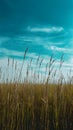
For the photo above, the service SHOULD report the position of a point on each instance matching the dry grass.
(30, 106)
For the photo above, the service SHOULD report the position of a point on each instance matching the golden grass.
(30, 107)
(34, 106)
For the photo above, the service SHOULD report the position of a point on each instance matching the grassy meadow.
(36, 106)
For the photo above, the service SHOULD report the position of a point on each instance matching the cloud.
(15, 47)
(10, 71)
(58, 49)
(45, 29)
(17, 54)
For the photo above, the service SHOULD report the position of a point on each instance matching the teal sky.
(44, 26)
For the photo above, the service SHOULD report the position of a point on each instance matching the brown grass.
(31, 106)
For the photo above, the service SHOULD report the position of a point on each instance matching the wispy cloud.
(45, 29)
(58, 49)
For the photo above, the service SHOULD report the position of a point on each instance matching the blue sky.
(44, 26)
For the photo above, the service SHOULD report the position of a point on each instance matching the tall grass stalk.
(35, 105)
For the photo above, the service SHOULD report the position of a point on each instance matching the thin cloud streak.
(54, 48)
(45, 29)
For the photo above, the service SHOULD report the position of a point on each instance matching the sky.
(45, 27)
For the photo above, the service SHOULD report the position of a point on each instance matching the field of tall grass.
(36, 106)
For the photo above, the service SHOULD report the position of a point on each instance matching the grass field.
(31, 107)
(35, 106)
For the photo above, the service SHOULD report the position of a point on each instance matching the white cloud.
(33, 39)
(33, 68)
(17, 53)
(59, 49)
(11, 52)
(45, 29)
